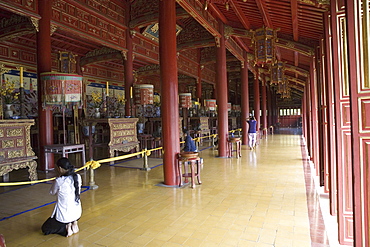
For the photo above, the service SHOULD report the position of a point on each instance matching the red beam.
(294, 10)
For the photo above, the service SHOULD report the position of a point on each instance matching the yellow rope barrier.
(28, 182)
(96, 164)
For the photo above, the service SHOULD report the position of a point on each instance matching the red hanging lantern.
(144, 94)
(210, 104)
(61, 88)
(185, 100)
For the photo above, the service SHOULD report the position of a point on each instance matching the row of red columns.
(169, 86)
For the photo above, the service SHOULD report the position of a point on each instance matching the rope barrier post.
(145, 159)
(92, 184)
(197, 143)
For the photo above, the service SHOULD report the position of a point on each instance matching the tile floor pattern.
(257, 200)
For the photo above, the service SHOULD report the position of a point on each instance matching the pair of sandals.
(72, 228)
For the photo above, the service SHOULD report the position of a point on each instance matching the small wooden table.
(64, 150)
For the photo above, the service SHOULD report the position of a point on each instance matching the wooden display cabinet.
(118, 134)
(15, 147)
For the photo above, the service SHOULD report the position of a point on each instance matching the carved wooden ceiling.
(300, 25)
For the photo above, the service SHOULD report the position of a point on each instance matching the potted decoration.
(96, 103)
(7, 91)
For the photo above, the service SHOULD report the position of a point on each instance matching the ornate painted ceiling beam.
(16, 26)
(298, 81)
(241, 44)
(153, 18)
(196, 44)
(242, 33)
(197, 11)
(235, 49)
(102, 55)
(296, 70)
(295, 46)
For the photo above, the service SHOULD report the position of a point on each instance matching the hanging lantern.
(61, 88)
(228, 106)
(264, 41)
(185, 100)
(210, 104)
(284, 89)
(236, 108)
(144, 94)
(277, 73)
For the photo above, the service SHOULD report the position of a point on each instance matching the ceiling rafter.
(241, 16)
(295, 25)
(265, 15)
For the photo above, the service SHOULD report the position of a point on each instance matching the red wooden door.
(343, 123)
(358, 32)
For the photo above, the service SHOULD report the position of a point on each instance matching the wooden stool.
(187, 159)
(230, 144)
(157, 142)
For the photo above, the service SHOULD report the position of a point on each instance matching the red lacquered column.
(169, 85)
(129, 67)
(256, 100)
(221, 88)
(314, 116)
(269, 107)
(264, 107)
(199, 81)
(245, 101)
(45, 117)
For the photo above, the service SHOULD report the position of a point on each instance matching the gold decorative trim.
(35, 23)
(53, 28)
(31, 164)
(218, 42)
(3, 70)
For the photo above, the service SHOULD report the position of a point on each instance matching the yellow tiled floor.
(256, 200)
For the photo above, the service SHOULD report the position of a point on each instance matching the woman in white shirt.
(68, 209)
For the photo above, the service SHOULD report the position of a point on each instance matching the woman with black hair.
(68, 209)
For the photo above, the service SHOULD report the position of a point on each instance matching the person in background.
(67, 210)
(189, 144)
(252, 132)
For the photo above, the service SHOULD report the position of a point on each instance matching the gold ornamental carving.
(14, 132)
(35, 23)
(53, 28)
(20, 143)
(7, 144)
(5, 169)
(15, 154)
(218, 42)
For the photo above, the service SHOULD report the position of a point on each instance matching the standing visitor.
(252, 132)
(68, 210)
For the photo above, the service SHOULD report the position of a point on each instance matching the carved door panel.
(343, 125)
(358, 19)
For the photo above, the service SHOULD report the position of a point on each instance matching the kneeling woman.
(68, 209)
